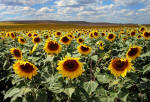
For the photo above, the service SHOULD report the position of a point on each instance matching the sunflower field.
(75, 64)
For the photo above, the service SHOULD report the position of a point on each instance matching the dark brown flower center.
(29, 34)
(139, 36)
(53, 46)
(27, 68)
(142, 29)
(65, 39)
(101, 44)
(95, 33)
(70, 65)
(83, 48)
(22, 40)
(124, 38)
(58, 33)
(133, 51)
(70, 36)
(37, 39)
(146, 34)
(132, 33)
(46, 36)
(103, 34)
(119, 65)
(91, 35)
(17, 53)
(35, 35)
(80, 40)
(12, 34)
(111, 36)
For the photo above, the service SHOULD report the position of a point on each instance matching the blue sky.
(115, 11)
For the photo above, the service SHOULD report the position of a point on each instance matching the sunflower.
(133, 52)
(139, 36)
(52, 47)
(133, 33)
(34, 35)
(65, 40)
(83, 49)
(80, 40)
(146, 35)
(71, 36)
(91, 35)
(57, 34)
(7, 34)
(29, 35)
(21, 40)
(16, 52)
(124, 38)
(103, 34)
(36, 40)
(46, 36)
(12, 36)
(70, 67)
(142, 29)
(25, 69)
(111, 37)
(95, 33)
(120, 66)
(101, 45)
(2, 35)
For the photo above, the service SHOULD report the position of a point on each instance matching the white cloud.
(129, 2)
(44, 10)
(22, 2)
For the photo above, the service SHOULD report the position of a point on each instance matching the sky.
(113, 11)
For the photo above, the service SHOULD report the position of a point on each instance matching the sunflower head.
(139, 36)
(83, 49)
(25, 69)
(7, 34)
(103, 34)
(21, 40)
(71, 36)
(95, 34)
(111, 37)
(133, 33)
(12, 35)
(65, 40)
(70, 67)
(133, 52)
(101, 45)
(29, 35)
(124, 38)
(120, 66)
(16, 52)
(142, 29)
(80, 40)
(57, 34)
(146, 35)
(35, 35)
(52, 47)
(36, 40)
(91, 35)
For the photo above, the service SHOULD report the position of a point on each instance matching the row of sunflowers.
(76, 65)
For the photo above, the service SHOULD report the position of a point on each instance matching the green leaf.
(104, 78)
(95, 57)
(90, 86)
(49, 58)
(101, 92)
(146, 68)
(69, 91)
(68, 54)
(42, 96)
(11, 92)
